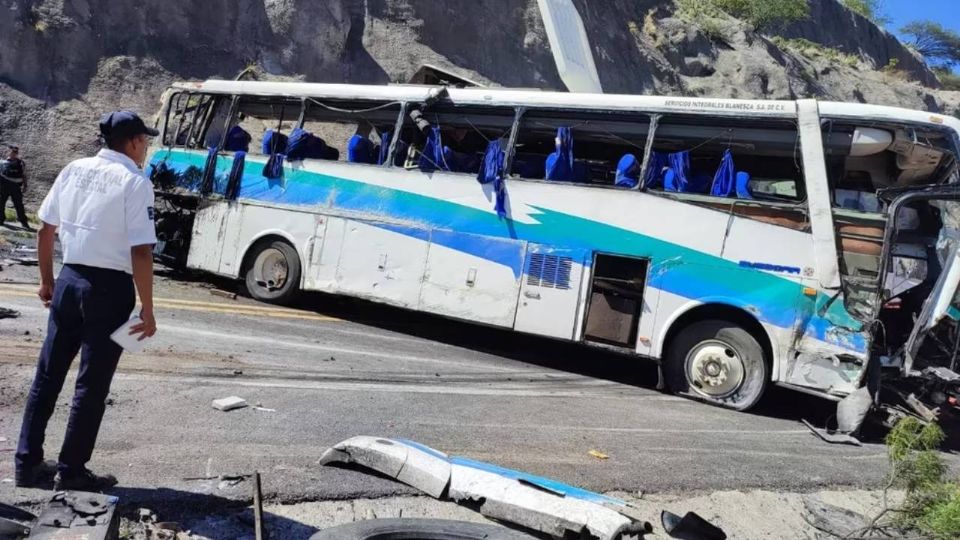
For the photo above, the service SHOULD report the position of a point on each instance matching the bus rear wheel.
(718, 362)
(273, 273)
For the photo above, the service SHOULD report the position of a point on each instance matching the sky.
(901, 12)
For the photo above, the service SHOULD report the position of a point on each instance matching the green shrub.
(949, 79)
(815, 50)
(760, 14)
(932, 504)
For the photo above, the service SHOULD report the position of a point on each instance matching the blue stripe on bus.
(678, 270)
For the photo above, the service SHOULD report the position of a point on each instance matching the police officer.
(102, 209)
(13, 184)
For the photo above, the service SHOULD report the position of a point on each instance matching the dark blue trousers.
(88, 305)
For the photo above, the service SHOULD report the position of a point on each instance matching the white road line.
(554, 427)
(432, 388)
(293, 342)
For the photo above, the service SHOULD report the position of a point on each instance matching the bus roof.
(566, 100)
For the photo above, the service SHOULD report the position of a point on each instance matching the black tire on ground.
(418, 529)
(702, 362)
(273, 272)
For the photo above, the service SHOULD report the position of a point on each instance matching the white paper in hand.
(121, 336)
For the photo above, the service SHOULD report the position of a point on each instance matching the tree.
(940, 46)
(871, 9)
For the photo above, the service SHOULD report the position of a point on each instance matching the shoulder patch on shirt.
(150, 213)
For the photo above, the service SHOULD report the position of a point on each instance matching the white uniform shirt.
(103, 206)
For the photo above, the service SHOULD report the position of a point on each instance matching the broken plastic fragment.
(516, 497)
(229, 403)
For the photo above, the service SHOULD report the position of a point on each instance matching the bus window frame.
(801, 204)
(523, 111)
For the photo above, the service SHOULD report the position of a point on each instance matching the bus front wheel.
(273, 273)
(718, 362)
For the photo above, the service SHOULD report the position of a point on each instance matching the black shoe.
(83, 481)
(36, 475)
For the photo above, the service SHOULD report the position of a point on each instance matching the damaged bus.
(806, 244)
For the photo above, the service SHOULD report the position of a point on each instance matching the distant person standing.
(13, 184)
(102, 209)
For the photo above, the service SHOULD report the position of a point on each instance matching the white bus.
(739, 243)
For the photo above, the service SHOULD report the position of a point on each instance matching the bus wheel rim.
(715, 369)
(270, 270)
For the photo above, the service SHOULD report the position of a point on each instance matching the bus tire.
(273, 272)
(718, 362)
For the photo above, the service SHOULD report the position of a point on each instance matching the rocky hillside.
(63, 62)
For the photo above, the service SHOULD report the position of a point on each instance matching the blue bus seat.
(628, 171)
(274, 142)
(238, 140)
(743, 185)
(723, 180)
(305, 145)
(361, 150)
(434, 155)
(656, 170)
(560, 165)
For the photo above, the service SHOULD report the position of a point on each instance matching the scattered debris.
(7, 313)
(599, 455)
(14, 522)
(833, 520)
(226, 480)
(6, 481)
(263, 409)
(229, 403)
(258, 529)
(832, 437)
(691, 527)
(238, 372)
(85, 515)
(27, 261)
(145, 515)
(530, 501)
(3, 439)
(224, 294)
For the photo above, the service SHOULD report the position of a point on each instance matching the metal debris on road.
(7, 313)
(226, 480)
(229, 403)
(224, 294)
(832, 437)
(599, 455)
(258, 529)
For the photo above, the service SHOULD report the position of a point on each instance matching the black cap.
(124, 125)
(13, 147)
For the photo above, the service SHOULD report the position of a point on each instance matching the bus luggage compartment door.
(550, 293)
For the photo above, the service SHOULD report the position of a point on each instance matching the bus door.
(550, 292)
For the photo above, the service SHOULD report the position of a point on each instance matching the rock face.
(64, 62)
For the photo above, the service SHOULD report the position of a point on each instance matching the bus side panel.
(206, 244)
(481, 288)
(383, 262)
(324, 272)
(551, 290)
(259, 222)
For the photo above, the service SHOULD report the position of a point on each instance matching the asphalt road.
(333, 368)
